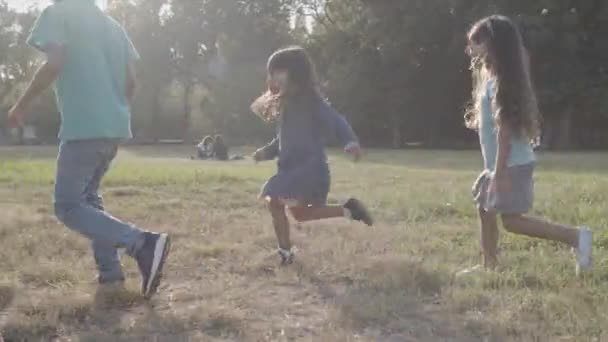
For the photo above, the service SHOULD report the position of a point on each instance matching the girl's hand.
(354, 150)
(500, 184)
(258, 156)
(16, 116)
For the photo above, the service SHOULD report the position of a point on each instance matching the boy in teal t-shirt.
(90, 59)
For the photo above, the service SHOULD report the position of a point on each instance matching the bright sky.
(24, 4)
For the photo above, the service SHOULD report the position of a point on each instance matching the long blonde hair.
(506, 62)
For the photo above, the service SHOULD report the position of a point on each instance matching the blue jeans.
(80, 167)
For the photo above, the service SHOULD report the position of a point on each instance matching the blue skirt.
(307, 184)
(518, 201)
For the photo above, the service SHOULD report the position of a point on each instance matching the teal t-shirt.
(521, 150)
(91, 88)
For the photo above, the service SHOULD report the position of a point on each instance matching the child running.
(505, 115)
(91, 61)
(305, 121)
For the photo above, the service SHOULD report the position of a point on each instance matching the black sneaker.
(151, 259)
(286, 256)
(358, 211)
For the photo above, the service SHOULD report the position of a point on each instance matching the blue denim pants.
(81, 165)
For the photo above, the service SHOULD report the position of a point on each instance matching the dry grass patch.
(393, 282)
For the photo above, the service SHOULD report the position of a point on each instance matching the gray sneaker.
(286, 256)
(150, 260)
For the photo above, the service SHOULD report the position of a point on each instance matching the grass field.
(393, 282)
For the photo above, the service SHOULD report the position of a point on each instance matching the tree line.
(396, 68)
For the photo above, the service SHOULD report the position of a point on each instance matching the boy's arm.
(44, 77)
(132, 58)
(49, 37)
(131, 81)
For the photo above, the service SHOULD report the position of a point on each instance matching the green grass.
(350, 283)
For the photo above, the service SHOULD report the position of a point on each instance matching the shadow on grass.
(393, 299)
(7, 294)
(116, 314)
(46, 319)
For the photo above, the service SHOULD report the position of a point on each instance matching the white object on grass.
(584, 260)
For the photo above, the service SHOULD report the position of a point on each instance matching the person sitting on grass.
(219, 150)
(205, 147)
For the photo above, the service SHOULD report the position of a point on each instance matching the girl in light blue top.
(505, 114)
(305, 123)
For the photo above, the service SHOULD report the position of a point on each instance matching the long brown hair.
(506, 61)
(301, 84)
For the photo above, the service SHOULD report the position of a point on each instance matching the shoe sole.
(588, 261)
(161, 251)
(367, 218)
(287, 261)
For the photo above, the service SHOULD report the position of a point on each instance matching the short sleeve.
(490, 88)
(132, 51)
(49, 29)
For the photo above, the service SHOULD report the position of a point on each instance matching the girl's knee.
(298, 213)
(510, 221)
(275, 205)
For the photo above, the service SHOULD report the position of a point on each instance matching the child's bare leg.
(489, 238)
(280, 222)
(533, 227)
(303, 214)
(353, 209)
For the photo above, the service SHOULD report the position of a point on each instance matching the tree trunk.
(396, 131)
(21, 135)
(187, 110)
(563, 137)
(156, 129)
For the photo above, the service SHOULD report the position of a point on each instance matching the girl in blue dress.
(305, 123)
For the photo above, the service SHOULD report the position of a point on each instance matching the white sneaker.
(583, 252)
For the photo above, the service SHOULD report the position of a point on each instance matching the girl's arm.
(269, 151)
(338, 127)
(504, 150)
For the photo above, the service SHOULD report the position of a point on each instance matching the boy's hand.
(354, 150)
(16, 116)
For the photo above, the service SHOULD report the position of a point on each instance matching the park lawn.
(395, 281)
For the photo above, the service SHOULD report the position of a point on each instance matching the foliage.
(396, 68)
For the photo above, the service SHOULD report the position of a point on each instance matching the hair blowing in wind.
(291, 78)
(505, 60)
